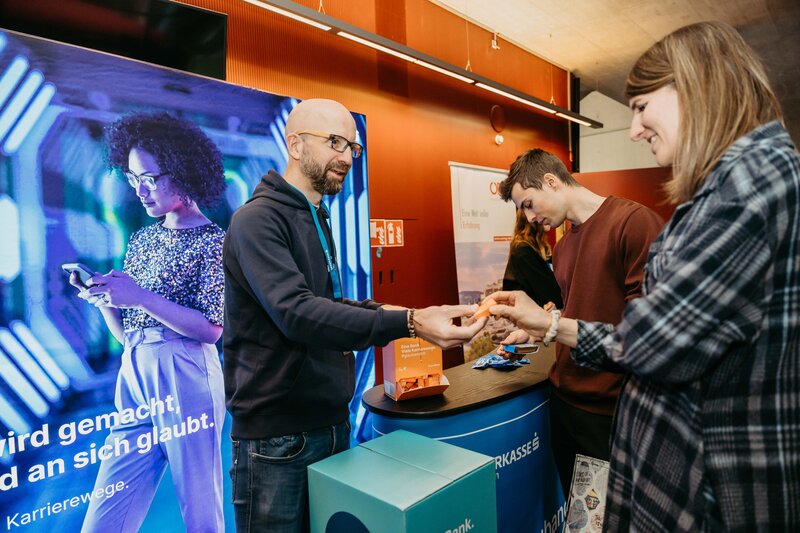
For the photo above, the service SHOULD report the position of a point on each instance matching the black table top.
(469, 389)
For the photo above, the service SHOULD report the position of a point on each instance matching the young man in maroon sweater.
(598, 264)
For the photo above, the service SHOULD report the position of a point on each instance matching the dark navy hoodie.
(286, 341)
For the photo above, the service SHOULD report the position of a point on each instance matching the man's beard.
(319, 175)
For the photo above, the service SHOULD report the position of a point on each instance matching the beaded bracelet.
(412, 329)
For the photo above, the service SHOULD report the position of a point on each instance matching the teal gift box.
(403, 482)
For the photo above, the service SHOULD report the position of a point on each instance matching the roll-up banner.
(482, 228)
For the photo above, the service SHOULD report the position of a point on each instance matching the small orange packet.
(483, 310)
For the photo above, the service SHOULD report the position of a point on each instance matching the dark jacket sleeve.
(263, 248)
(527, 271)
(366, 304)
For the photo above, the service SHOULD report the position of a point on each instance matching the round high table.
(501, 413)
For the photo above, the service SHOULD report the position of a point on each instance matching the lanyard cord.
(333, 270)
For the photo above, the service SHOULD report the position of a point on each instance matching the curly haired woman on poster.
(166, 308)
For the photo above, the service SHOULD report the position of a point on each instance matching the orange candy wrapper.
(483, 310)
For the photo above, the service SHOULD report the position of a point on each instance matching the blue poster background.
(59, 203)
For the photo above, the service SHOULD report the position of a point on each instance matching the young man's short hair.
(529, 170)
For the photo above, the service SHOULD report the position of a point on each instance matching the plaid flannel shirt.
(707, 429)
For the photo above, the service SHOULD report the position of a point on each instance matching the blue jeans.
(270, 477)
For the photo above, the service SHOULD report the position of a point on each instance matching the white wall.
(610, 147)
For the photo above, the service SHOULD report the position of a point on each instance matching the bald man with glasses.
(288, 331)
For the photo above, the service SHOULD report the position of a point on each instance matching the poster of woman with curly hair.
(112, 414)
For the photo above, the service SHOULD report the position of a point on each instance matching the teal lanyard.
(333, 270)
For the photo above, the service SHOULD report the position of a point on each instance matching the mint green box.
(403, 483)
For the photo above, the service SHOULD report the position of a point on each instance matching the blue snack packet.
(496, 361)
(520, 349)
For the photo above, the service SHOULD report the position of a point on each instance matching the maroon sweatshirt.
(599, 267)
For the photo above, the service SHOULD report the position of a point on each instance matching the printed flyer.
(587, 496)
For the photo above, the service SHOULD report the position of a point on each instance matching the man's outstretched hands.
(437, 324)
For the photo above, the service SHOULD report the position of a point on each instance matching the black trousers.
(575, 431)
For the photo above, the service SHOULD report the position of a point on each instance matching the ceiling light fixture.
(338, 27)
(408, 58)
(574, 119)
(446, 72)
(375, 46)
(517, 98)
(290, 14)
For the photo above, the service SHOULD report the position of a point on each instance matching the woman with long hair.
(707, 431)
(166, 308)
(528, 268)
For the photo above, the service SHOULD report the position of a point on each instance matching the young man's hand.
(526, 314)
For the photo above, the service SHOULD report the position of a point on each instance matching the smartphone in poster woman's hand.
(84, 273)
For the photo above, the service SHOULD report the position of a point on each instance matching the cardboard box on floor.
(412, 368)
(403, 483)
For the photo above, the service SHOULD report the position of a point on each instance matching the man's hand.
(517, 307)
(436, 324)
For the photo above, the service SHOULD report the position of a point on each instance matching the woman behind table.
(707, 430)
(528, 268)
(166, 308)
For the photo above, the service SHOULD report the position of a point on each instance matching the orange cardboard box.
(412, 368)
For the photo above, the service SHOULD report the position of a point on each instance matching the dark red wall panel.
(643, 185)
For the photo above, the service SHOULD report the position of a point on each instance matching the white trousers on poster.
(173, 388)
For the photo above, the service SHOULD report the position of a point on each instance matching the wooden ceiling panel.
(599, 40)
